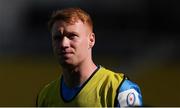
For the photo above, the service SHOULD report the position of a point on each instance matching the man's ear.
(91, 40)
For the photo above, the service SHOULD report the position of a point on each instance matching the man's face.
(72, 43)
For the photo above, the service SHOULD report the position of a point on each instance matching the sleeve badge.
(130, 99)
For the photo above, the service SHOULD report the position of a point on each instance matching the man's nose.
(65, 42)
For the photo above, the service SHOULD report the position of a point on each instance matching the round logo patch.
(130, 99)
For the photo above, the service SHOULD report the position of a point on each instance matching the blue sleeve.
(129, 94)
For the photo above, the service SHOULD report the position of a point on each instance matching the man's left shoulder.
(110, 72)
(129, 94)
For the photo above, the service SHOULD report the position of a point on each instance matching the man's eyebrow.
(71, 32)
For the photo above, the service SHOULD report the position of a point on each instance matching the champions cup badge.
(130, 99)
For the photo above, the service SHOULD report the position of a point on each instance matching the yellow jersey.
(100, 90)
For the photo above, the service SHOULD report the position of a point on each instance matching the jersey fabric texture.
(100, 90)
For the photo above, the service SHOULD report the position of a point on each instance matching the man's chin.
(67, 64)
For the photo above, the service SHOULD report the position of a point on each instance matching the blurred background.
(138, 37)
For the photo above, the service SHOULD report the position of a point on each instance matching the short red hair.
(71, 15)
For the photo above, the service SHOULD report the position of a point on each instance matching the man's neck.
(78, 75)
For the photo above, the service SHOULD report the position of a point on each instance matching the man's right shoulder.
(46, 91)
(50, 85)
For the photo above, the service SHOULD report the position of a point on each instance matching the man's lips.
(65, 52)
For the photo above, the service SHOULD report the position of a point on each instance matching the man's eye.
(72, 36)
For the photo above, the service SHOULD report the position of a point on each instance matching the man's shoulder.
(111, 77)
(111, 72)
(47, 91)
(129, 94)
(128, 84)
(50, 86)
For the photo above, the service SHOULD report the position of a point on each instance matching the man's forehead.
(61, 25)
(65, 23)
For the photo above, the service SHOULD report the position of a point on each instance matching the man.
(82, 82)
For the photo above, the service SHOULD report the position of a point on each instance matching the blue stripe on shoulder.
(127, 84)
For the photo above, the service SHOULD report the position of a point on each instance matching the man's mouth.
(65, 53)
